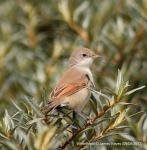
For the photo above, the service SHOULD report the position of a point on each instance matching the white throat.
(84, 66)
(86, 63)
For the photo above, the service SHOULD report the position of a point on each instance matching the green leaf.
(108, 134)
(115, 95)
(34, 120)
(93, 107)
(54, 144)
(81, 8)
(5, 145)
(120, 28)
(123, 103)
(123, 90)
(122, 127)
(134, 127)
(103, 95)
(82, 132)
(26, 115)
(44, 97)
(119, 83)
(127, 136)
(3, 125)
(12, 145)
(83, 115)
(141, 121)
(16, 106)
(67, 115)
(33, 105)
(3, 136)
(8, 121)
(13, 130)
(102, 119)
(29, 109)
(111, 123)
(99, 104)
(120, 117)
(26, 139)
(132, 91)
(132, 115)
(17, 113)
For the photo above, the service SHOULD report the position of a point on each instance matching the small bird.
(72, 88)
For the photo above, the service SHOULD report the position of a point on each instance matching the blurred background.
(37, 38)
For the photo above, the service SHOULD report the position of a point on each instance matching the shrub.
(29, 128)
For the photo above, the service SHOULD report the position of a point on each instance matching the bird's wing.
(65, 90)
(72, 82)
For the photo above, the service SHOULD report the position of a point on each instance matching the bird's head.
(83, 57)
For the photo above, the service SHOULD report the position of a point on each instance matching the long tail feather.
(52, 104)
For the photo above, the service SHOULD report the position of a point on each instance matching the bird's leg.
(83, 115)
(87, 118)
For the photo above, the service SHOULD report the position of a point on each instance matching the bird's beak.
(96, 56)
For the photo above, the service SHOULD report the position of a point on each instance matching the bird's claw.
(89, 120)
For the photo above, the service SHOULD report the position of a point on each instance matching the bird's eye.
(84, 55)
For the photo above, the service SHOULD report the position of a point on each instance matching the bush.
(37, 38)
(32, 129)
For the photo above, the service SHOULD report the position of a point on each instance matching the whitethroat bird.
(72, 88)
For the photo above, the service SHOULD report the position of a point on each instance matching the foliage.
(140, 131)
(32, 129)
(37, 38)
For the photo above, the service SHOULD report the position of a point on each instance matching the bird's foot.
(87, 118)
(89, 121)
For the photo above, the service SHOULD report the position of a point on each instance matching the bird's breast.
(78, 100)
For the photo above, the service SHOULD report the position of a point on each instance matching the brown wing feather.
(65, 91)
(71, 82)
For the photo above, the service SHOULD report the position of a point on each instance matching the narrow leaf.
(27, 106)
(132, 115)
(44, 97)
(16, 106)
(36, 110)
(26, 139)
(82, 132)
(122, 127)
(100, 120)
(34, 120)
(127, 136)
(13, 130)
(12, 145)
(132, 91)
(70, 118)
(109, 134)
(120, 117)
(103, 95)
(119, 82)
(99, 104)
(3, 125)
(5, 145)
(93, 107)
(1, 135)
(123, 103)
(141, 121)
(110, 125)
(111, 91)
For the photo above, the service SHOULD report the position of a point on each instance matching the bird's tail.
(52, 104)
